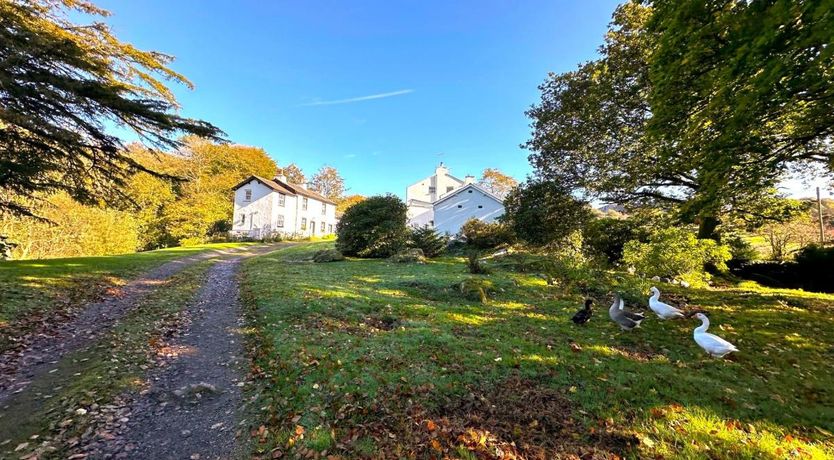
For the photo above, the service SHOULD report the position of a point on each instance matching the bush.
(375, 227)
(409, 256)
(483, 235)
(741, 251)
(815, 265)
(473, 263)
(429, 241)
(544, 213)
(675, 253)
(604, 238)
(476, 289)
(328, 255)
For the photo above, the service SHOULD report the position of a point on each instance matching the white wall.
(313, 214)
(441, 181)
(258, 209)
(452, 213)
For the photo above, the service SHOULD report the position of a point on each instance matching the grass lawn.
(30, 290)
(368, 358)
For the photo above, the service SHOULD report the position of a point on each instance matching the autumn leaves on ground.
(370, 358)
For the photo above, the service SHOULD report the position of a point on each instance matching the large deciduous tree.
(328, 182)
(293, 173)
(61, 85)
(544, 213)
(497, 182)
(698, 106)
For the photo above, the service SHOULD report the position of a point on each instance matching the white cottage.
(265, 207)
(445, 202)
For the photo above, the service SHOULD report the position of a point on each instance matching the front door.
(312, 227)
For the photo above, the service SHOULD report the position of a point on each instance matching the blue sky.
(382, 90)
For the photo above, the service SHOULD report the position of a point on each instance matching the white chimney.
(469, 180)
(281, 178)
(441, 170)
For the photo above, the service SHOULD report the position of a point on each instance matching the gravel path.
(189, 411)
(17, 370)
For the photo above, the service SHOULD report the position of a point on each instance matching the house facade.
(266, 207)
(445, 203)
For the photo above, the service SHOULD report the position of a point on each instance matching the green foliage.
(544, 213)
(328, 255)
(375, 227)
(815, 265)
(474, 264)
(675, 252)
(429, 240)
(409, 256)
(476, 289)
(604, 238)
(61, 84)
(482, 235)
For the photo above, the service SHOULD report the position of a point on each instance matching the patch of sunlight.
(332, 293)
(538, 316)
(472, 320)
(704, 431)
(603, 350)
(530, 281)
(392, 292)
(547, 360)
(511, 305)
(367, 279)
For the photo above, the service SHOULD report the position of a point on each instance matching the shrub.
(476, 289)
(429, 241)
(484, 235)
(375, 227)
(328, 255)
(741, 251)
(604, 238)
(544, 213)
(409, 256)
(676, 253)
(473, 263)
(815, 266)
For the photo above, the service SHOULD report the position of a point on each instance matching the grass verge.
(33, 292)
(368, 358)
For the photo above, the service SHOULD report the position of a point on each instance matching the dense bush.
(428, 240)
(741, 251)
(815, 265)
(328, 255)
(544, 213)
(375, 227)
(484, 235)
(604, 238)
(675, 252)
(409, 256)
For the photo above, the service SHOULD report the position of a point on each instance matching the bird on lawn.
(711, 343)
(584, 315)
(663, 310)
(626, 319)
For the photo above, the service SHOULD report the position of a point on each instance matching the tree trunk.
(707, 226)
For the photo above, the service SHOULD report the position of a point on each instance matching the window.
(303, 223)
(322, 227)
(480, 206)
(329, 228)
(282, 199)
(247, 195)
(279, 220)
(323, 211)
(469, 191)
(432, 189)
(243, 219)
(449, 189)
(304, 204)
(460, 206)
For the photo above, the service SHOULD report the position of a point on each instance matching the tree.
(348, 201)
(61, 84)
(497, 182)
(745, 89)
(328, 182)
(544, 213)
(376, 227)
(428, 240)
(677, 112)
(293, 173)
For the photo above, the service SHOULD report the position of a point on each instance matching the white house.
(445, 202)
(265, 207)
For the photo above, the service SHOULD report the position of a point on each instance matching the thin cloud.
(360, 98)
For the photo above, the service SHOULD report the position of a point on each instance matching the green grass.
(31, 290)
(372, 355)
(90, 379)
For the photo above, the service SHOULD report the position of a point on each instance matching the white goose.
(714, 345)
(663, 310)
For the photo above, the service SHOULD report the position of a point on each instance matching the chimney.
(305, 185)
(441, 170)
(469, 179)
(281, 178)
